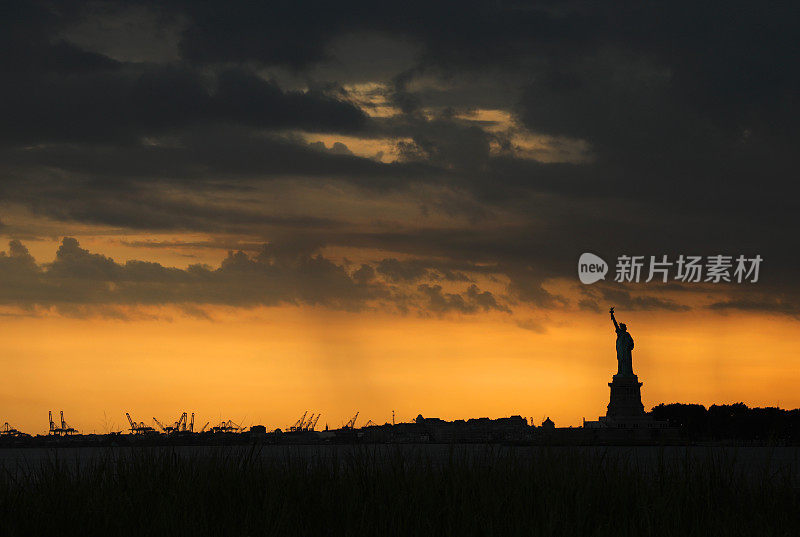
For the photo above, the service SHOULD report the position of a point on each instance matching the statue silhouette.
(624, 348)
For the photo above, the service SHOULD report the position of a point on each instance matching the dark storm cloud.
(411, 270)
(473, 301)
(597, 70)
(28, 35)
(676, 92)
(532, 256)
(402, 271)
(126, 104)
(770, 304)
(79, 282)
(441, 141)
(273, 276)
(689, 112)
(228, 152)
(220, 244)
(297, 35)
(623, 298)
(723, 55)
(137, 208)
(364, 274)
(56, 92)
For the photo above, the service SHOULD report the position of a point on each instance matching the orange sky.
(375, 218)
(269, 365)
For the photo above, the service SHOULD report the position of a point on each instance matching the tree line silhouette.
(732, 422)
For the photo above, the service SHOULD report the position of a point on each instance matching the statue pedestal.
(625, 421)
(626, 397)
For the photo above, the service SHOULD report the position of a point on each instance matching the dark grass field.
(392, 490)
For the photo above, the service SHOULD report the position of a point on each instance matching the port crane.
(182, 425)
(306, 422)
(298, 425)
(140, 427)
(160, 425)
(8, 430)
(226, 427)
(63, 430)
(352, 423)
(307, 425)
(313, 425)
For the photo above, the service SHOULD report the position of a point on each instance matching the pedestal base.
(626, 397)
(626, 421)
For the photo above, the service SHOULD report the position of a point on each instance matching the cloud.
(79, 282)
(364, 274)
(473, 301)
(126, 104)
(623, 298)
(532, 325)
(402, 271)
(691, 146)
(337, 148)
(771, 304)
(77, 276)
(29, 28)
(589, 305)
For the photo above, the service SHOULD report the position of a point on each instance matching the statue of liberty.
(624, 348)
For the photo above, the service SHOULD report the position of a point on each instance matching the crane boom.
(180, 425)
(305, 425)
(159, 424)
(352, 423)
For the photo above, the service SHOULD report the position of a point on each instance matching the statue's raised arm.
(611, 311)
